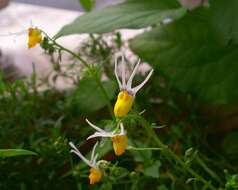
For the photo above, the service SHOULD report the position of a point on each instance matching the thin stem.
(97, 79)
(142, 149)
(166, 151)
(105, 95)
(73, 54)
(207, 169)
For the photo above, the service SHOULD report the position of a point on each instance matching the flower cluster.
(118, 136)
(122, 107)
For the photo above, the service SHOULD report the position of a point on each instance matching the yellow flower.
(119, 138)
(127, 94)
(34, 37)
(95, 175)
(123, 104)
(119, 144)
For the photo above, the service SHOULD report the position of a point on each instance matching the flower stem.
(168, 152)
(207, 169)
(94, 74)
(143, 148)
(98, 81)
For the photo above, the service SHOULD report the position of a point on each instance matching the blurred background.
(17, 16)
(69, 4)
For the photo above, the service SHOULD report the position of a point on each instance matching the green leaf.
(190, 54)
(153, 170)
(4, 153)
(141, 156)
(132, 14)
(88, 97)
(224, 19)
(87, 4)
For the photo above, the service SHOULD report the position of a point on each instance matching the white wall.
(68, 4)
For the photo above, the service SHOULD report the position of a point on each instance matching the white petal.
(123, 73)
(129, 82)
(93, 151)
(122, 129)
(137, 88)
(95, 127)
(94, 161)
(115, 72)
(97, 134)
(76, 151)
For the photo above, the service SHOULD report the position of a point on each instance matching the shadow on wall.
(68, 4)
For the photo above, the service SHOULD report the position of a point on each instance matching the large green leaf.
(192, 56)
(133, 14)
(4, 153)
(88, 97)
(224, 19)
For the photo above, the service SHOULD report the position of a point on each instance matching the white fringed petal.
(90, 163)
(128, 85)
(101, 133)
(137, 88)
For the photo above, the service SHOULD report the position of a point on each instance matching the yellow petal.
(123, 104)
(34, 37)
(94, 176)
(119, 144)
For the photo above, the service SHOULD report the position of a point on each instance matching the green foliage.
(4, 153)
(232, 181)
(88, 97)
(182, 51)
(223, 20)
(188, 55)
(153, 169)
(132, 14)
(87, 4)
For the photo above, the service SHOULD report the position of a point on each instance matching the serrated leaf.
(132, 14)
(4, 153)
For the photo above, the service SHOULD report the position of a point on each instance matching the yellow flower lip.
(120, 143)
(34, 37)
(127, 94)
(123, 104)
(94, 176)
(119, 138)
